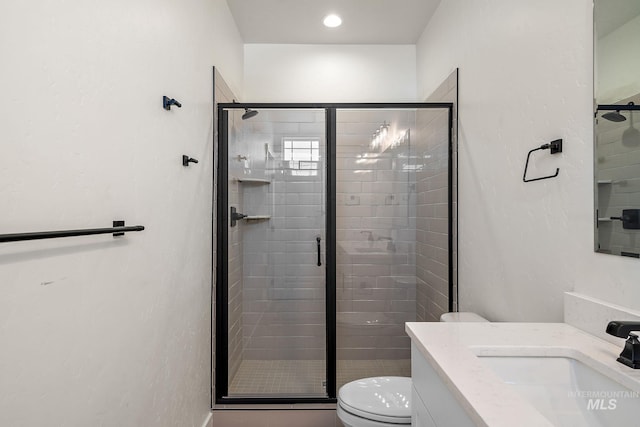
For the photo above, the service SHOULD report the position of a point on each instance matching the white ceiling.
(612, 14)
(363, 21)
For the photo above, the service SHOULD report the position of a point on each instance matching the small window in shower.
(302, 155)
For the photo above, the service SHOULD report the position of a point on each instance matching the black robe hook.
(186, 160)
(168, 102)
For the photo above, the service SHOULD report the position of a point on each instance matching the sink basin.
(567, 391)
(366, 249)
(370, 250)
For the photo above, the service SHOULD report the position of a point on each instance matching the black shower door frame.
(220, 286)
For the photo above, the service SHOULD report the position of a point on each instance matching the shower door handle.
(318, 244)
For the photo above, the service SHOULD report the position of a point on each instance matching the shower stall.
(332, 220)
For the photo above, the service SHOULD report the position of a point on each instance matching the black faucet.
(370, 233)
(630, 355)
(391, 247)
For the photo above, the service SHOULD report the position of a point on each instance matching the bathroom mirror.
(617, 124)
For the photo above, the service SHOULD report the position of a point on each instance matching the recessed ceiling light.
(332, 21)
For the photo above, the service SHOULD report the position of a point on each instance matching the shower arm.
(631, 106)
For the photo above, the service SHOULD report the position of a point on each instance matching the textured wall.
(97, 331)
(525, 79)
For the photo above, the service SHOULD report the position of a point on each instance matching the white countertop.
(452, 349)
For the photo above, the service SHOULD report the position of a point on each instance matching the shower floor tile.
(305, 377)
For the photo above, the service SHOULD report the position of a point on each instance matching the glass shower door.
(276, 339)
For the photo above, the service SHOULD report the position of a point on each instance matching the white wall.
(525, 79)
(96, 330)
(329, 73)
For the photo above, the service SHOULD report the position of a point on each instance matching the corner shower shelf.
(254, 180)
(257, 217)
(611, 181)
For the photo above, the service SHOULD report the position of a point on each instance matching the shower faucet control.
(630, 355)
(235, 216)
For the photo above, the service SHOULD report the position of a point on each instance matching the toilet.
(384, 401)
(375, 402)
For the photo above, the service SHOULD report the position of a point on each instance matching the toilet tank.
(462, 317)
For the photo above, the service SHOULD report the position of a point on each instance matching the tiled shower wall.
(284, 288)
(223, 94)
(277, 288)
(618, 187)
(235, 255)
(432, 246)
(375, 237)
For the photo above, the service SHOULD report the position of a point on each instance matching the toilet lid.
(386, 399)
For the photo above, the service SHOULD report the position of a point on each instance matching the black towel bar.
(118, 229)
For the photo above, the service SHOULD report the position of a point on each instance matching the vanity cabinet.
(433, 404)
(419, 412)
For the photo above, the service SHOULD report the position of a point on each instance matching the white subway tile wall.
(432, 248)
(389, 203)
(376, 269)
(236, 255)
(283, 297)
(223, 94)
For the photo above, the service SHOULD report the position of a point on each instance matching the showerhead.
(248, 113)
(614, 116)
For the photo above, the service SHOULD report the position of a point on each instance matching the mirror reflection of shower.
(631, 135)
(616, 180)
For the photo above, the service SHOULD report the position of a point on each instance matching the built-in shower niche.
(255, 199)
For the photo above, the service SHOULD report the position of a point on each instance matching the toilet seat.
(380, 399)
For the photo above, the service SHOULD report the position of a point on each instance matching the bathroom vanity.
(524, 374)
